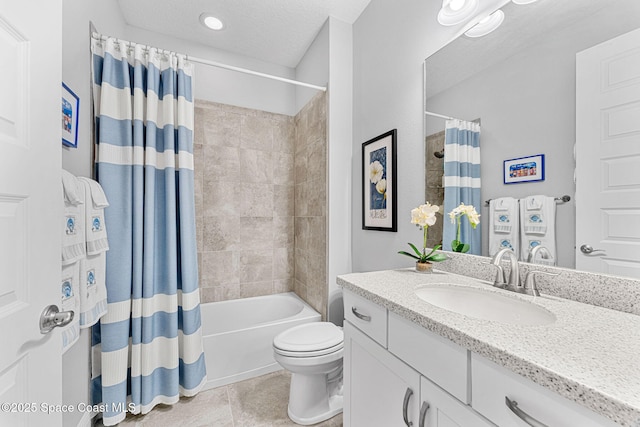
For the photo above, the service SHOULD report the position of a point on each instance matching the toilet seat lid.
(310, 337)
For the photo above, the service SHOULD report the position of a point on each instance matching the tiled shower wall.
(244, 180)
(434, 191)
(251, 169)
(311, 204)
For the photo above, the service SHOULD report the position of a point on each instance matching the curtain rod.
(563, 199)
(429, 113)
(231, 67)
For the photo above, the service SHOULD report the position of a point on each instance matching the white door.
(608, 157)
(30, 209)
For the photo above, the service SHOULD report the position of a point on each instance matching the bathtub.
(238, 334)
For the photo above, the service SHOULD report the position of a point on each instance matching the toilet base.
(335, 407)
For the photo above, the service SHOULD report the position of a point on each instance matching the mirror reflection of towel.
(537, 220)
(503, 228)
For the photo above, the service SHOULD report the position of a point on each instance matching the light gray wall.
(76, 15)
(527, 107)
(329, 61)
(390, 42)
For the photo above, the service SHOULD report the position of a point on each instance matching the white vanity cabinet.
(379, 389)
(403, 369)
(493, 384)
(382, 390)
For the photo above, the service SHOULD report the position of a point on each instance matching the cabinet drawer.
(367, 316)
(442, 361)
(491, 383)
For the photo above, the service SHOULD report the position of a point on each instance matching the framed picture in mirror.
(379, 207)
(524, 169)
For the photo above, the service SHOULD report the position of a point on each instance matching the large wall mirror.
(520, 83)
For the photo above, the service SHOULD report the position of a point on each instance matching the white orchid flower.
(381, 186)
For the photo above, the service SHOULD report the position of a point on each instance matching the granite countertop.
(590, 354)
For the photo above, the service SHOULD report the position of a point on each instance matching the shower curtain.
(461, 180)
(147, 349)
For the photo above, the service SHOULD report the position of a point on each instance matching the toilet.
(312, 352)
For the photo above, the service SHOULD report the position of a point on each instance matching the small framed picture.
(70, 111)
(524, 169)
(379, 207)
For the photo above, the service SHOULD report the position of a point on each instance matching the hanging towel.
(503, 226)
(69, 287)
(93, 290)
(96, 230)
(73, 230)
(537, 222)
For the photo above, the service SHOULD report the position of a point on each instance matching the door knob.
(588, 249)
(52, 317)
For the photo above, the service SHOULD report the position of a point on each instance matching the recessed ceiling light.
(486, 25)
(211, 22)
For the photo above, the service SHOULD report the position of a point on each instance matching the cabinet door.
(376, 384)
(444, 410)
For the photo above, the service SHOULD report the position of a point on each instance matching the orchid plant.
(424, 216)
(456, 217)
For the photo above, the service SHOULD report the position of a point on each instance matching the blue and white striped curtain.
(461, 180)
(147, 349)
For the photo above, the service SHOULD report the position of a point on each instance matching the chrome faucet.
(544, 253)
(530, 286)
(514, 275)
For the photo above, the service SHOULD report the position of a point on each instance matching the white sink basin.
(486, 305)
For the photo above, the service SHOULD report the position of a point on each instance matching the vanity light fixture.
(454, 12)
(486, 25)
(211, 22)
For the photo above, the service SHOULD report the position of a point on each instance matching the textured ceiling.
(275, 31)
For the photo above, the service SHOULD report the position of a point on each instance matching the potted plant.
(424, 216)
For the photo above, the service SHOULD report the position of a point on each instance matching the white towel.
(93, 289)
(503, 225)
(73, 230)
(69, 287)
(96, 229)
(538, 226)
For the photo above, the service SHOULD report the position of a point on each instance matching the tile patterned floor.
(257, 402)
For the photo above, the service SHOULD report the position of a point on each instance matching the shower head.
(439, 154)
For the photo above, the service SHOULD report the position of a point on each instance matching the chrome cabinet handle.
(513, 406)
(52, 317)
(588, 249)
(423, 414)
(360, 315)
(405, 407)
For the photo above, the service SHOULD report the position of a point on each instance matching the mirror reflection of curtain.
(461, 180)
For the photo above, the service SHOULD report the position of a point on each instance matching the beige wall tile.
(220, 198)
(283, 229)
(222, 163)
(283, 263)
(256, 289)
(220, 233)
(256, 166)
(256, 233)
(219, 268)
(256, 200)
(256, 266)
(257, 133)
(283, 200)
(222, 128)
(283, 168)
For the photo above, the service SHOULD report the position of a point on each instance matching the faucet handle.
(500, 281)
(530, 281)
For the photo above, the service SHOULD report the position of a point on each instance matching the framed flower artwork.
(379, 206)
